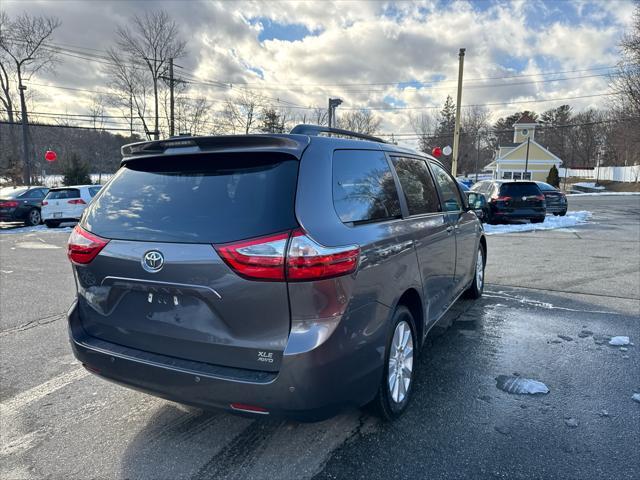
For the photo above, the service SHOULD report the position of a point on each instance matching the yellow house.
(524, 159)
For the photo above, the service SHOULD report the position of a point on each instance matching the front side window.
(93, 191)
(363, 187)
(451, 200)
(417, 184)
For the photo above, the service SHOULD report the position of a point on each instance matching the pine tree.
(76, 172)
(553, 178)
(271, 121)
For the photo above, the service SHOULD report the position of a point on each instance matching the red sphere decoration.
(436, 152)
(50, 156)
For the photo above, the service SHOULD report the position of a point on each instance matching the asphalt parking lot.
(552, 301)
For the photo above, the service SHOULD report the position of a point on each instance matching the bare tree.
(241, 114)
(424, 125)
(360, 121)
(627, 81)
(151, 41)
(97, 112)
(25, 52)
(132, 89)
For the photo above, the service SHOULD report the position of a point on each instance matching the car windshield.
(519, 189)
(545, 187)
(63, 193)
(206, 199)
(12, 192)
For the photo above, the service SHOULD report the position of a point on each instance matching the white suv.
(66, 204)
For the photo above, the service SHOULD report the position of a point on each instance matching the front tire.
(394, 392)
(537, 220)
(563, 213)
(33, 218)
(477, 286)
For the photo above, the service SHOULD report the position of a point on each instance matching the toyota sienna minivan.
(287, 275)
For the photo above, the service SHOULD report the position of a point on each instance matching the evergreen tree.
(271, 121)
(76, 172)
(553, 178)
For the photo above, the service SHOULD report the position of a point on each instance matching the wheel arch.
(413, 301)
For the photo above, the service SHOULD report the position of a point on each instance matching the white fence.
(616, 174)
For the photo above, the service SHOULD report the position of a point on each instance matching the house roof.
(508, 145)
(526, 118)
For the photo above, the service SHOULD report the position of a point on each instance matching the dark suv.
(512, 200)
(291, 275)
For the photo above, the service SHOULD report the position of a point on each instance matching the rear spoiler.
(289, 144)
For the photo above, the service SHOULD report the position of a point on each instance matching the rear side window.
(451, 200)
(546, 187)
(519, 189)
(199, 199)
(63, 193)
(417, 184)
(364, 189)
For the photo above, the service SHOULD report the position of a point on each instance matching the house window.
(525, 132)
(526, 176)
(506, 175)
(517, 175)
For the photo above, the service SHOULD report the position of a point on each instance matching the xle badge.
(265, 357)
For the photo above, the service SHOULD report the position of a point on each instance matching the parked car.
(512, 200)
(66, 204)
(286, 275)
(22, 204)
(555, 200)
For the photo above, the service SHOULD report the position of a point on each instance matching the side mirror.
(477, 203)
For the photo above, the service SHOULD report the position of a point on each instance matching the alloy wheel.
(400, 362)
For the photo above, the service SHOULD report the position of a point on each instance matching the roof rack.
(305, 129)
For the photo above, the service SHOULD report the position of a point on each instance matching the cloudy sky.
(398, 58)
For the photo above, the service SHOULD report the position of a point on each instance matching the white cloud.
(360, 43)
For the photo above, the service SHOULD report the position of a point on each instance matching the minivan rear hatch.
(160, 286)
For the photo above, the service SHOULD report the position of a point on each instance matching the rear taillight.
(77, 201)
(260, 259)
(8, 204)
(269, 258)
(498, 198)
(84, 246)
(44, 203)
(308, 260)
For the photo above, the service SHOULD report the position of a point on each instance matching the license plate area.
(57, 215)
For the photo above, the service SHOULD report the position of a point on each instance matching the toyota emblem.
(153, 261)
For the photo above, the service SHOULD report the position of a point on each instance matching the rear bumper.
(341, 372)
(9, 216)
(519, 214)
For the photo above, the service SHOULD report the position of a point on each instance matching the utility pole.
(25, 133)
(130, 114)
(171, 102)
(456, 132)
(526, 160)
(477, 152)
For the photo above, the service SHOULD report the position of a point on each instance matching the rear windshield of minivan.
(519, 189)
(199, 199)
(63, 193)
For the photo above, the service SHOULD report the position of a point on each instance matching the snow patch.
(636, 397)
(619, 341)
(12, 230)
(589, 185)
(601, 193)
(550, 223)
(520, 386)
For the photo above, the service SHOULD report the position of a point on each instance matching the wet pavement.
(553, 302)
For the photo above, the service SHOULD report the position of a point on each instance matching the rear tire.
(477, 286)
(563, 213)
(52, 223)
(396, 386)
(33, 218)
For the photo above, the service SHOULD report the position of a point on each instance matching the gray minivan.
(288, 275)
